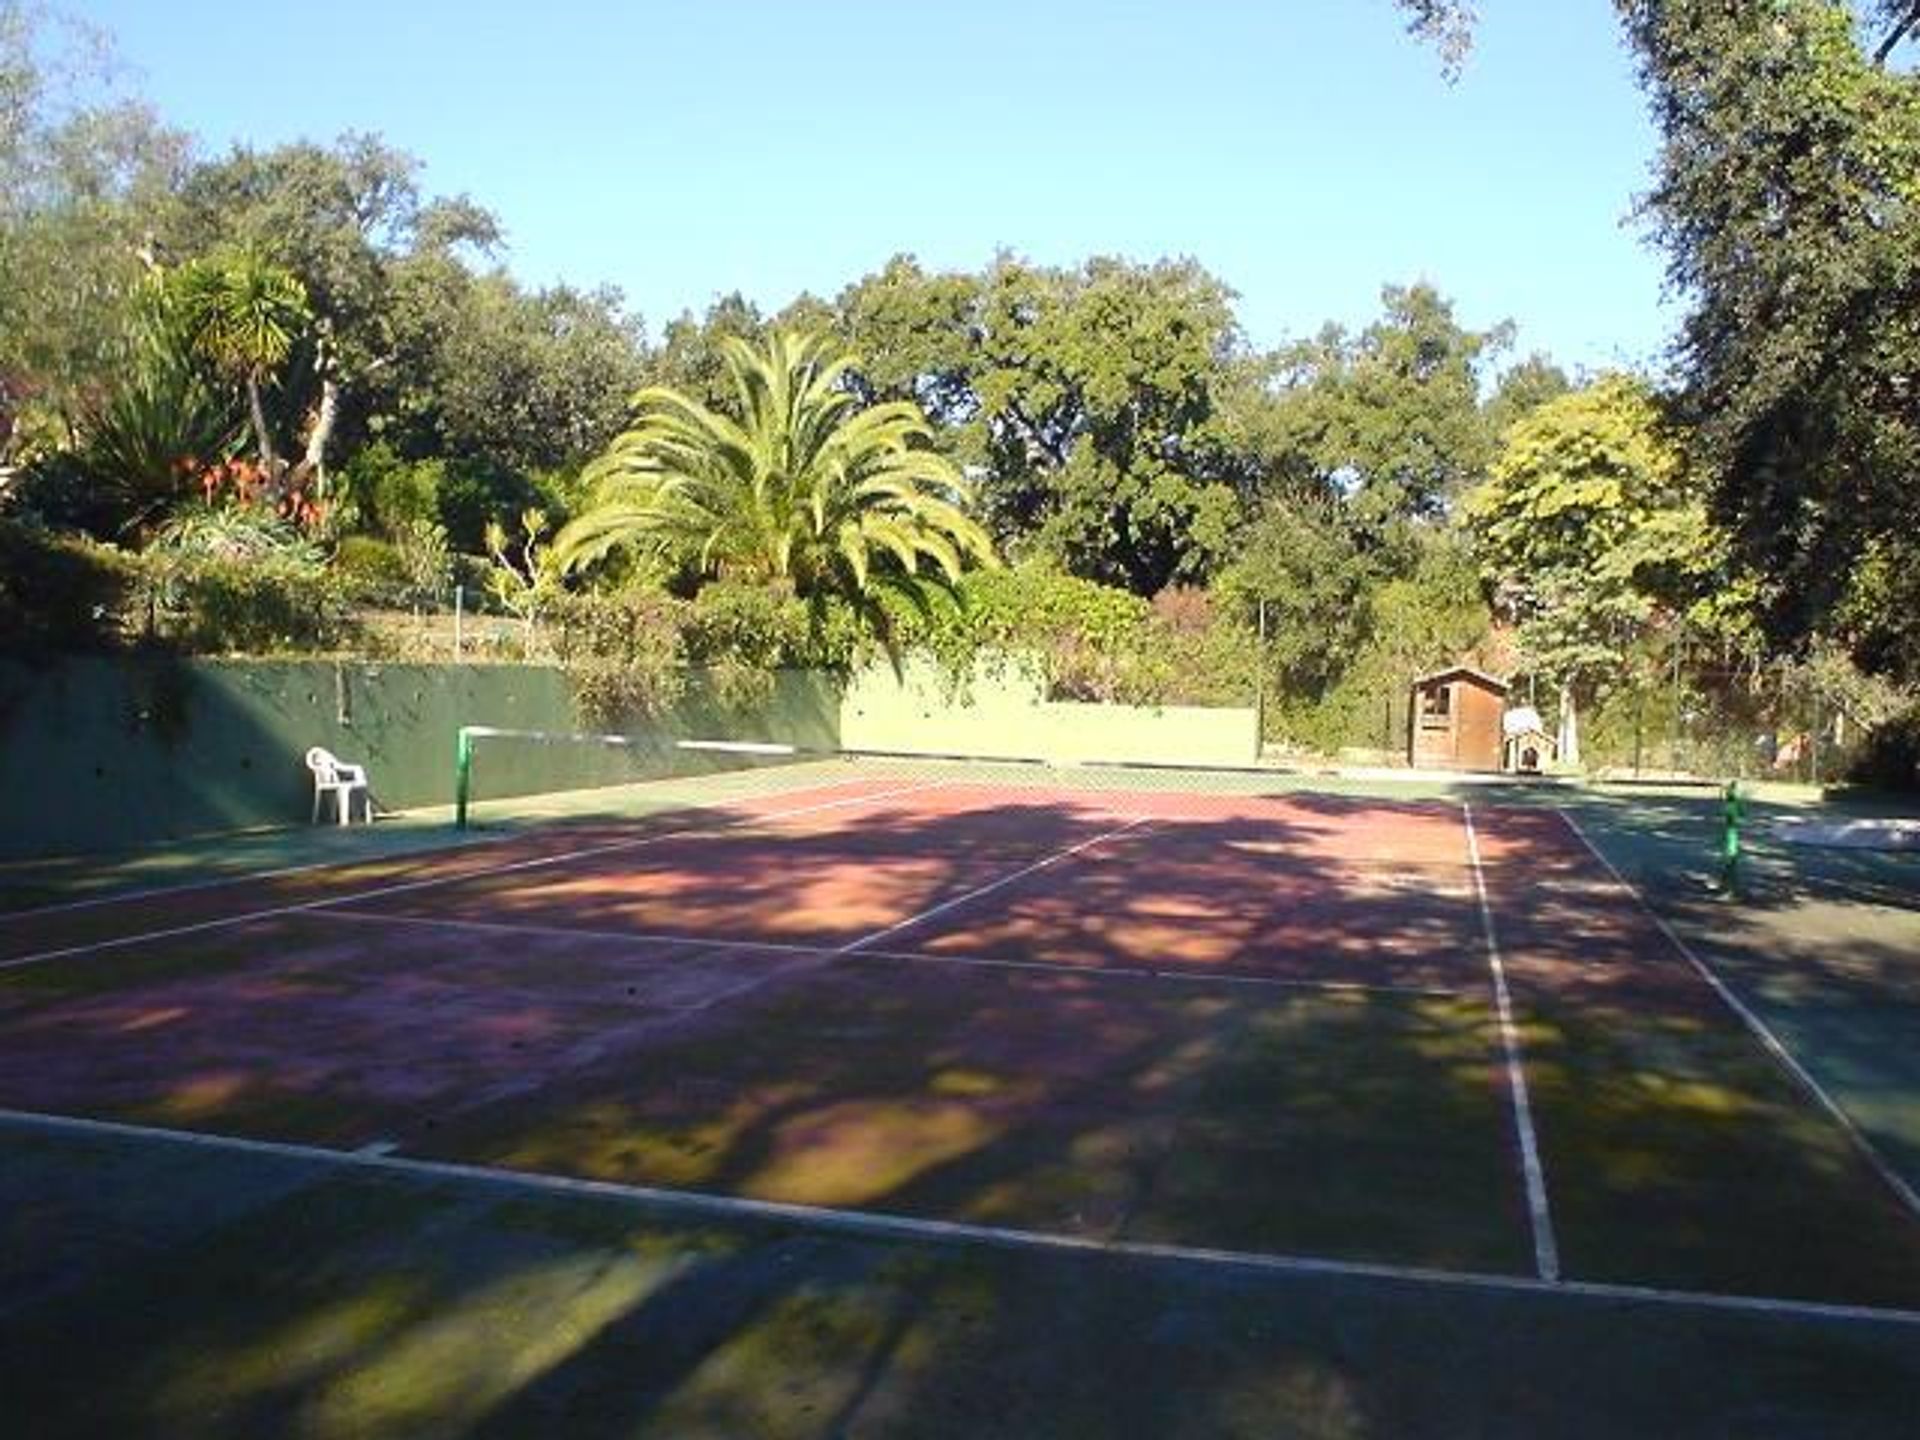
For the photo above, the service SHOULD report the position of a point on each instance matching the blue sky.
(1305, 152)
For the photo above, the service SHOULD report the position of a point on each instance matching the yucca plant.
(146, 438)
(802, 489)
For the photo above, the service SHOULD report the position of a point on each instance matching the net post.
(462, 775)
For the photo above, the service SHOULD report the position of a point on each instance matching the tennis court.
(1202, 1020)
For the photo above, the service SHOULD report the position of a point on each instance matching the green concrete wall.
(100, 754)
(111, 753)
(1003, 713)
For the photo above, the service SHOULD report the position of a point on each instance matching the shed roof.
(1465, 672)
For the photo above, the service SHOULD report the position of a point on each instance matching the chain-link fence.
(1685, 709)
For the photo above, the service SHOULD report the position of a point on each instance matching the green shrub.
(58, 492)
(745, 624)
(622, 651)
(234, 532)
(473, 493)
(58, 593)
(371, 570)
(390, 493)
(1092, 641)
(214, 605)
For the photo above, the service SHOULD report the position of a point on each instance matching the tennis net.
(504, 774)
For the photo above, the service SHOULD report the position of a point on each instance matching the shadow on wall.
(106, 754)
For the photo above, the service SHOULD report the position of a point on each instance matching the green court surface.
(159, 1290)
(910, 1098)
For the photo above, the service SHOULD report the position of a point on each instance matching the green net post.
(462, 776)
(1733, 810)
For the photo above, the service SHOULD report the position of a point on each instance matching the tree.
(345, 221)
(244, 313)
(1096, 392)
(692, 356)
(1589, 528)
(1447, 25)
(530, 381)
(1521, 390)
(803, 489)
(1301, 579)
(86, 172)
(1085, 401)
(1786, 204)
(1390, 419)
(917, 337)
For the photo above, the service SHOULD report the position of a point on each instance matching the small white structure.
(1526, 748)
(332, 776)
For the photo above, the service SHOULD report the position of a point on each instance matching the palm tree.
(244, 313)
(801, 489)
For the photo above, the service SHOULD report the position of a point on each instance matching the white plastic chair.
(334, 777)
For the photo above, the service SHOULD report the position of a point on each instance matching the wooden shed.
(1454, 720)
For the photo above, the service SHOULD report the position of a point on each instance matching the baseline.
(879, 1225)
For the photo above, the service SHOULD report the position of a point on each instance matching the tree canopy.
(1783, 199)
(797, 486)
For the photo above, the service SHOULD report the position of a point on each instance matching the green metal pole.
(1733, 811)
(462, 776)
(1260, 690)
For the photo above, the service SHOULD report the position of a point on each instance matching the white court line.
(1546, 1249)
(244, 877)
(918, 957)
(1770, 1042)
(407, 887)
(979, 890)
(869, 1224)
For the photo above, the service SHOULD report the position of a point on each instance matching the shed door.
(1478, 735)
(1436, 721)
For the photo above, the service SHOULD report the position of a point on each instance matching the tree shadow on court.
(355, 1305)
(1678, 1149)
(1080, 1100)
(1822, 943)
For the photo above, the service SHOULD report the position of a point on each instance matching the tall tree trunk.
(314, 461)
(1569, 739)
(262, 436)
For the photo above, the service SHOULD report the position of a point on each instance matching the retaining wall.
(1003, 713)
(111, 753)
(108, 753)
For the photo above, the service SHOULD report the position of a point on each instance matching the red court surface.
(1267, 1024)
